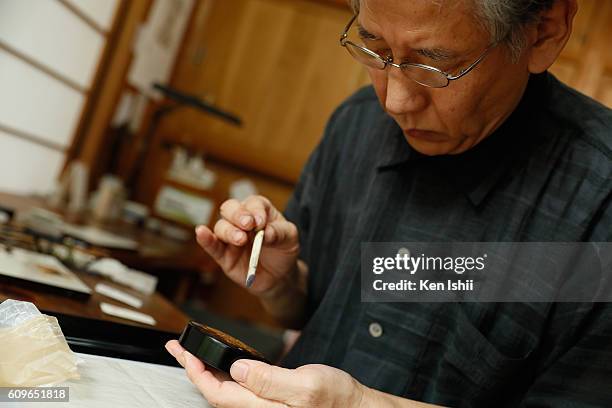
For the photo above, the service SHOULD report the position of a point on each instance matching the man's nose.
(403, 94)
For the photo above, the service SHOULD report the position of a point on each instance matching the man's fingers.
(217, 388)
(230, 234)
(235, 213)
(209, 242)
(261, 209)
(174, 347)
(255, 212)
(220, 392)
(177, 351)
(281, 234)
(267, 381)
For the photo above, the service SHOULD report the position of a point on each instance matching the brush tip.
(249, 280)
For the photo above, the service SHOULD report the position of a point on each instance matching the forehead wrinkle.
(397, 16)
(431, 23)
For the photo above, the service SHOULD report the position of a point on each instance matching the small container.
(216, 348)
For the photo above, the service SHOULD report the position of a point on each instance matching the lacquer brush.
(254, 260)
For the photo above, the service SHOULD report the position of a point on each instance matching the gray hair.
(504, 20)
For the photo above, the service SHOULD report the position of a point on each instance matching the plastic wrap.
(33, 350)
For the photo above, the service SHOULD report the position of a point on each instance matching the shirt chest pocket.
(482, 353)
(414, 348)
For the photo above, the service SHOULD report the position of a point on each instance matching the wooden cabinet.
(277, 64)
(586, 61)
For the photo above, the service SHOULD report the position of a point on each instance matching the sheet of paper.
(118, 295)
(110, 382)
(157, 44)
(99, 237)
(128, 314)
(40, 268)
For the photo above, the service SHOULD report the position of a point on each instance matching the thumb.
(282, 234)
(267, 381)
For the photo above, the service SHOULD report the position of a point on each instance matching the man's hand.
(258, 384)
(229, 245)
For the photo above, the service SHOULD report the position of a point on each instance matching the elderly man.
(464, 136)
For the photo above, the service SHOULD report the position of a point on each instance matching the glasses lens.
(425, 76)
(364, 57)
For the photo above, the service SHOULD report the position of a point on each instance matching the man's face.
(446, 35)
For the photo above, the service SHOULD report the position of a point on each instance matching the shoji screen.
(49, 53)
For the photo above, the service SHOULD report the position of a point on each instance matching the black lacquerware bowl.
(216, 348)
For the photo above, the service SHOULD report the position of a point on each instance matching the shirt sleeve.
(309, 191)
(307, 201)
(299, 207)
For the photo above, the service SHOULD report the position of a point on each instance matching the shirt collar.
(478, 170)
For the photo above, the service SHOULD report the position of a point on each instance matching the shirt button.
(403, 251)
(375, 330)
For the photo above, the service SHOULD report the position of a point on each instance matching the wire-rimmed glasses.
(422, 74)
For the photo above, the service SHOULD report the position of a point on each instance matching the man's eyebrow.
(437, 53)
(365, 34)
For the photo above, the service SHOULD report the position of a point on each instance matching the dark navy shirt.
(544, 175)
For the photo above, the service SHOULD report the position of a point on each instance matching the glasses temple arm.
(472, 65)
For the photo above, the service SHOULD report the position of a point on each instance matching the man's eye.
(384, 53)
(373, 44)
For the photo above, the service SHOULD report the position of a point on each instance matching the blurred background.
(136, 119)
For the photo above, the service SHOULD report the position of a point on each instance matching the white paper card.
(128, 314)
(118, 295)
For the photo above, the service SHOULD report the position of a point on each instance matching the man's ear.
(547, 38)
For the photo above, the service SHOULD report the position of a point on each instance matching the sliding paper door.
(49, 54)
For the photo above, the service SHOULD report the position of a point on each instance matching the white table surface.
(110, 382)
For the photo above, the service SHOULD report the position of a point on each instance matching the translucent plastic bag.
(33, 350)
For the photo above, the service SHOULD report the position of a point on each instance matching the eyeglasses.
(422, 74)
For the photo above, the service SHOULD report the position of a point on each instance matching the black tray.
(104, 338)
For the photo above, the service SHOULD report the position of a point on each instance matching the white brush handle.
(254, 260)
